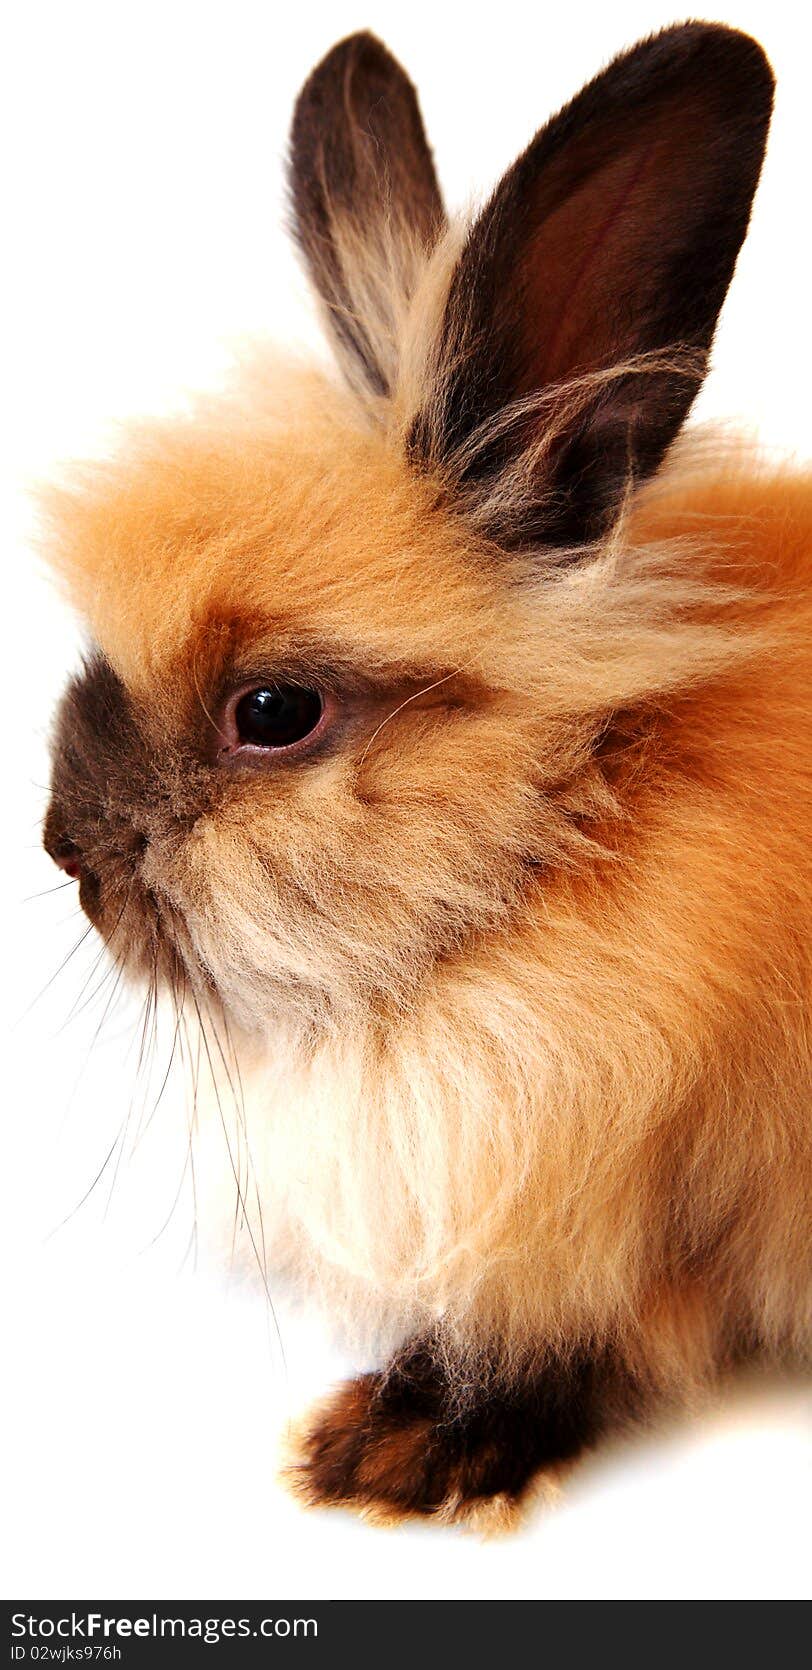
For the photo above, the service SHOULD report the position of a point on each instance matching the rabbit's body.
(458, 754)
(605, 1098)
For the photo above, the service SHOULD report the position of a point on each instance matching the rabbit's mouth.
(115, 822)
(141, 931)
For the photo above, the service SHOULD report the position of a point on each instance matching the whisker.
(78, 1007)
(88, 1192)
(200, 696)
(108, 1007)
(55, 976)
(239, 1108)
(149, 1007)
(185, 1047)
(191, 1245)
(167, 1221)
(399, 709)
(46, 892)
(244, 1118)
(107, 940)
(143, 1128)
(249, 1228)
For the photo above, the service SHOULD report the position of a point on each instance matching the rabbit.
(445, 729)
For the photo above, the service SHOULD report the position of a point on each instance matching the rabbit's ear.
(581, 312)
(366, 204)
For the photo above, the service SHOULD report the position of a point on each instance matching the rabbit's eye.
(277, 715)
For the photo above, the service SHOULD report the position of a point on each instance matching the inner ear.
(593, 280)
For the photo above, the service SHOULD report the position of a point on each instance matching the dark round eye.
(276, 716)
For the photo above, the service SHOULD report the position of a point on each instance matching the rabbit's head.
(355, 648)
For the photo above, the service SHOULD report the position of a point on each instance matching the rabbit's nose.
(66, 855)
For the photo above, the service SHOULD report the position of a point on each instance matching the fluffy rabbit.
(446, 733)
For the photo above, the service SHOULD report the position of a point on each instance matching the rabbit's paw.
(395, 1444)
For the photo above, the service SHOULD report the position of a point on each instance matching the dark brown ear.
(366, 204)
(614, 236)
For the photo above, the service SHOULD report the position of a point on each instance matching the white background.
(144, 246)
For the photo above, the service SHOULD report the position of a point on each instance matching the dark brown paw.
(391, 1446)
